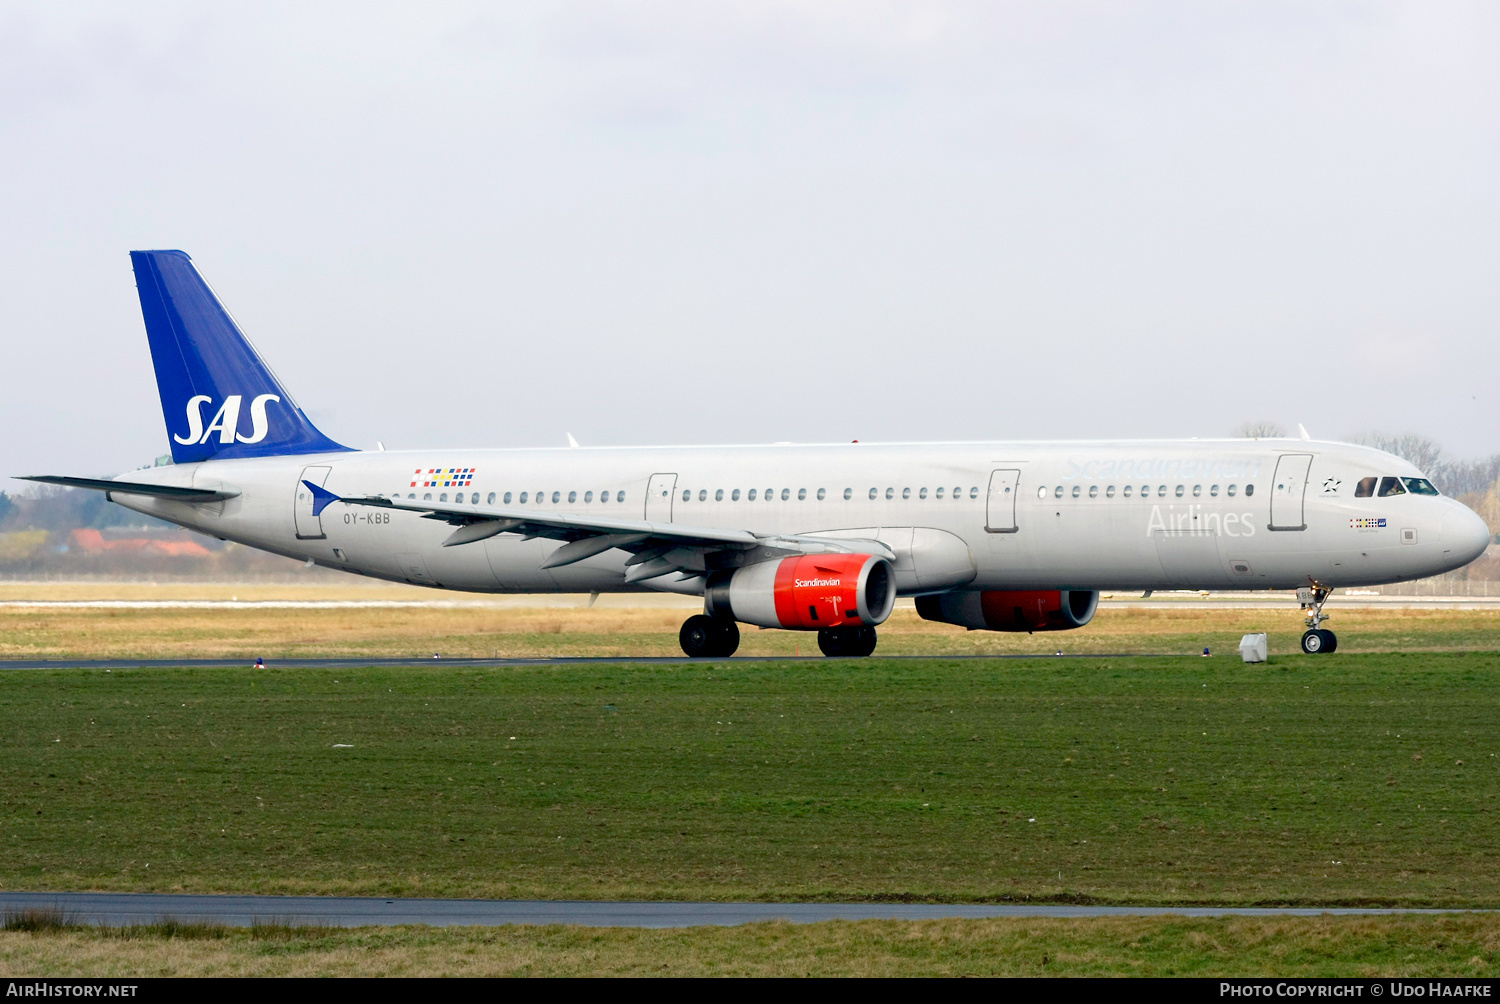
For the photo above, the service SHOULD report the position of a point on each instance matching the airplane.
(997, 536)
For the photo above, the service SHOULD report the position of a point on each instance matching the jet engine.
(808, 592)
(1012, 610)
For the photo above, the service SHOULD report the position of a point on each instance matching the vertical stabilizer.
(219, 397)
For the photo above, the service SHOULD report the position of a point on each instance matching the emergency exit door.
(659, 492)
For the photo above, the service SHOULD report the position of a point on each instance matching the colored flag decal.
(1368, 523)
(444, 477)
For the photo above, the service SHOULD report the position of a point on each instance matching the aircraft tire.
(839, 642)
(727, 637)
(699, 637)
(867, 641)
(1319, 642)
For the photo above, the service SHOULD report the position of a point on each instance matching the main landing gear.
(704, 637)
(855, 642)
(1317, 640)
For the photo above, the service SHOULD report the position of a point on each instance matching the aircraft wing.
(657, 548)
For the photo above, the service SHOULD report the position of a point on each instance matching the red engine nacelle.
(1012, 610)
(807, 592)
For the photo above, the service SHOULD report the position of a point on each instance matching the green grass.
(1453, 945)
(1340, 780)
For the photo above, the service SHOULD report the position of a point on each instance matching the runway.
(115, 909)
(356, 663)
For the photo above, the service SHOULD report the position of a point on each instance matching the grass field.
(89, 633)
(1347, 779)
(1463, 945)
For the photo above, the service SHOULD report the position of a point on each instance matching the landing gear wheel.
(1319, 641)
(704, 637)
(728, 637)
(847, 642)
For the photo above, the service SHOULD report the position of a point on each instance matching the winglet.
(322, 497)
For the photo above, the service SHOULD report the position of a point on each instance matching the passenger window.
(523, 498)
(1093, 491)
(1125, 491)
(958, 493)
(874, 492)
(572, 497)
(687, 495)
(1249, 490)
(588, 496)
(822, 494)
(770, 494)
(1420, 486)
(506, 500)
(1077, 490)
(1145, 490)
(619, 496)
(786, 493)
(1109, 492)
(848, 494)
(890, 493)
(1365, 488)
(1161, 492)
(905, 493)
(702, 494)
(1231, 490)
(801, 494)
(490, 499)
(411, 495)
(1041, 492)
(751, 496)
(1213, 491)
(1197, 490)
(443, 497)
(1056, 492)
(922, 494)
(719, 495)
(974, 492)
(734, 496)
(1180, 491)
(1391, 486)
(427, 497)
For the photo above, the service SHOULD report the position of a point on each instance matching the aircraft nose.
(1464, 535)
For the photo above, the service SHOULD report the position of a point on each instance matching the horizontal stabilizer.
(136, 488)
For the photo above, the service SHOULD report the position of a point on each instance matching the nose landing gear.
(1316, 640)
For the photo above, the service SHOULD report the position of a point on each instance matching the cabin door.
(1287, 490)
(309, 527)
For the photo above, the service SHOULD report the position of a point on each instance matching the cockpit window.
(1420, 486)
(1365, 488)
(1391, 486)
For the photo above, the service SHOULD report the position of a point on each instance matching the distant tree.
(1421, 452)
(7, 505)
(1261, 430)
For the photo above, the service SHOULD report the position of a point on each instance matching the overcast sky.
(650, 223)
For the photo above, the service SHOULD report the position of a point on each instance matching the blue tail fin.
(219, 398)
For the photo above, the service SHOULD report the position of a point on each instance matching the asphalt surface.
(115, 909)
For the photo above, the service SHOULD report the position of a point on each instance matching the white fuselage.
(1202, 514)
